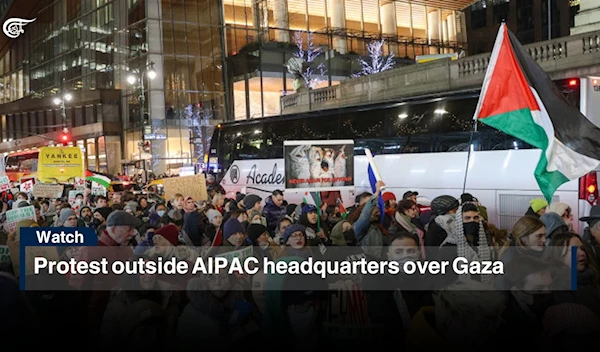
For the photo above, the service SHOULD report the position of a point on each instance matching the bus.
(419, 145)
(21, 165)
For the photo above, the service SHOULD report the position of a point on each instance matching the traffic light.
(65, 137)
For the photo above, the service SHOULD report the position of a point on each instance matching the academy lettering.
(273, 178)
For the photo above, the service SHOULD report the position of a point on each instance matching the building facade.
(214, 60)
(262, 35)
(90, 48)
(528, 19)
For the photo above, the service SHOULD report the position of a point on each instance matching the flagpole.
(473, 130)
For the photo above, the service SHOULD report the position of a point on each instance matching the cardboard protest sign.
(15, 215)
(4, 183)
(312, 166)
(44, 190)
(192, 186)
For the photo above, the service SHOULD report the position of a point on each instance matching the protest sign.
(312, 166)
(15, 215)
(98, 189)
(192, 186)
(27, 185)
(44, 190)
(4, 183)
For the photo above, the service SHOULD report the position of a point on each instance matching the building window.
(479, 15)
(501, 10)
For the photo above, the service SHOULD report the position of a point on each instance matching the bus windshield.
(22, 163)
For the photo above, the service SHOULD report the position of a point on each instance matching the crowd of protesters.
(149, 312)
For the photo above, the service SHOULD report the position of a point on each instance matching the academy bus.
(419, 145)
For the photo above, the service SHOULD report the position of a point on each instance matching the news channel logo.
(13, 27)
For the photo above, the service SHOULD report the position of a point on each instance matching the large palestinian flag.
(519, 99)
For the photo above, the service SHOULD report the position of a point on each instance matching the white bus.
(419, 145)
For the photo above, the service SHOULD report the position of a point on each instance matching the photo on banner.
(312, 166)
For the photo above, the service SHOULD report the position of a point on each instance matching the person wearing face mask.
(469, 240)
(529, 281)
(99, 216)
(85, 217)
(157, 216)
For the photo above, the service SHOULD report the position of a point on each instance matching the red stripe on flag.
(508, 89)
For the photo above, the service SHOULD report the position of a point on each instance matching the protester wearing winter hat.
(213, 230)
(389, 200)
(67, 218)
(442, 224)
(165, 237)
(296, 242)
(234, 235)
(259, 236)
(252, 202)
(537, 207)
(100, 215)
(554, 224)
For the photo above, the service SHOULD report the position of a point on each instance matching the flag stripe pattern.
(102, 180)
(519, 99)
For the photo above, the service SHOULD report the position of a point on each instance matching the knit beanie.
(104, 211)
(250, 200)
(170, 233)
(212, 213)
(232, 226)
(65, 213)
(553, 221)
(443, 204)
(538, 204)
(254, 231)
(291, 229)
(387, 196)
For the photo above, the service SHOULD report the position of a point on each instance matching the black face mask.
(96, 222)
(471, 228)
(350, 237)
(245, 223)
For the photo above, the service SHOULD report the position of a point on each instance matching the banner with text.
(312, 166)
(192, 186)
(45, 190)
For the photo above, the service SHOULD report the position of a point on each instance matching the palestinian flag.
(343, 210)
(102, 180)
(519, 99)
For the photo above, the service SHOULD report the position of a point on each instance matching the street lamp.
(60, 101)
(137, 76)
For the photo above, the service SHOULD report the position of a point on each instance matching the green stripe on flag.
(101, 180)
(520, 123)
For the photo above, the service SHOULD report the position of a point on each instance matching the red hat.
(387, 196)
(170, 233)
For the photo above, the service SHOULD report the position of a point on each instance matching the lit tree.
(198, 116)
(301, 64)
(378, 62)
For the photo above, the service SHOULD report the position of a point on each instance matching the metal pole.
(549, 19)
(142, 102)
